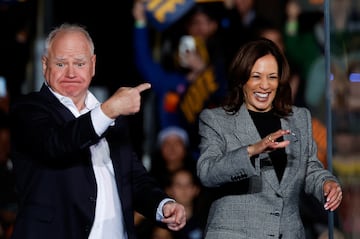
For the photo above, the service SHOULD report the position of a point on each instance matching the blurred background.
(298, 25)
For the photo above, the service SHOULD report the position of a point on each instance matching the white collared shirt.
(108, 221)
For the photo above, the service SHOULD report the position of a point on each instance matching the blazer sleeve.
(223, 159)
(316, 174)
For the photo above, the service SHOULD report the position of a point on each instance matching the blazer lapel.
(292, 152)
(55, 104)
(292, 165)
(247, 133)
(63, 114)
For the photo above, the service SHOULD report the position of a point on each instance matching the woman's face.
(260, 89)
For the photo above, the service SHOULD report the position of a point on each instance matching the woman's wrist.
(249, 150)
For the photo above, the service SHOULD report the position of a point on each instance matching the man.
(77, 176)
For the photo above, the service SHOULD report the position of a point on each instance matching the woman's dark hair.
(240, 71)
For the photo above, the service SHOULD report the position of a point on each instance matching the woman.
(258, 153)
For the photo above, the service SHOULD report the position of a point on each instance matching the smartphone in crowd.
(186, 44)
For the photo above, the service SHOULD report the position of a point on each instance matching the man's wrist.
(159, 211)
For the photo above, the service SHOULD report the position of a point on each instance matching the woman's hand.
(269, 143)
(333, 195)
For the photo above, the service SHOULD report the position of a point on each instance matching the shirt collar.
(90, 102)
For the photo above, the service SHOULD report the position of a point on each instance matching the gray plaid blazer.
(251, 203)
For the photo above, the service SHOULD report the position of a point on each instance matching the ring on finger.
(270, 139)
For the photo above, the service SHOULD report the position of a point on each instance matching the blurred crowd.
(187, 65)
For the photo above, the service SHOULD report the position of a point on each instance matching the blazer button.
(275, 214)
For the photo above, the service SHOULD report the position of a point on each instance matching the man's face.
(70, 65)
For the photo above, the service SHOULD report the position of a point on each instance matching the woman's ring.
(270, 139)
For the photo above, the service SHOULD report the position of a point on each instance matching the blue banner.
(163, 13)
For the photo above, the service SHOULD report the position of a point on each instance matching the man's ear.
(44, 64)
(93, 62)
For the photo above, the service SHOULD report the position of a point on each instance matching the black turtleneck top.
(267, 123)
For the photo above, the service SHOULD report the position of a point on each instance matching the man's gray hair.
(66, 27)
